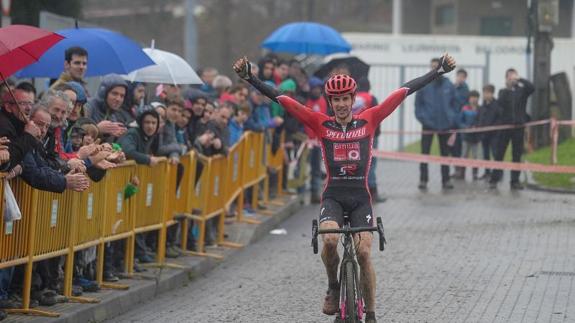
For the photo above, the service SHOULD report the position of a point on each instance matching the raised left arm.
(446, 65)
(385, 108)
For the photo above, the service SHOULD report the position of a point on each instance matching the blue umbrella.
(108, 52)
(306, 38)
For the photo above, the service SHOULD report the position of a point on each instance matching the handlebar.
(347, 230)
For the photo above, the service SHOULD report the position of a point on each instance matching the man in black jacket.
(513, 102)
(15, 126)
(140, 144)
(36, 171)
(197, 101)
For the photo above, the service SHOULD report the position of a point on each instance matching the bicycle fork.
(358, 301)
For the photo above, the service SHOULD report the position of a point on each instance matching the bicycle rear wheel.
(350, 305)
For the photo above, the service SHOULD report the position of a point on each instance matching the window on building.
(496, 26)
(445, 15)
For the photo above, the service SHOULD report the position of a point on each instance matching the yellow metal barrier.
(119, 214)
(250, 165)
(184, 191)
(210, 197)
(261, 171)
(14, 235)
(55, 225)
(50, 221)
(87, 231)
(255, 171)
(184, 198)
(235, 160)
(150, 202)
(154, 203)
(260, 145)
(90, 216)
(170, 197)
(119, 218)
(218, 198)
(275, 161)
(250, 169)
(235, 178)
(200, 201)
(200, 189)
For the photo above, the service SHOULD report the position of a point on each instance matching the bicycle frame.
(349, 257)
(349, 248)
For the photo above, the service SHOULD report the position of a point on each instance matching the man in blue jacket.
(436, 110)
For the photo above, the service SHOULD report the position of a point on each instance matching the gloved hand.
(243, 68)
(446, 64)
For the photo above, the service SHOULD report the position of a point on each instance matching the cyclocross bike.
(351, 304)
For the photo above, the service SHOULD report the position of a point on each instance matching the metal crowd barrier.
(275, 162)
(55, 225)
(119, 219)
(14, 234)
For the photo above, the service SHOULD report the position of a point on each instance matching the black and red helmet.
(340, 84)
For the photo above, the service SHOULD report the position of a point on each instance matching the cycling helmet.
(340, 84)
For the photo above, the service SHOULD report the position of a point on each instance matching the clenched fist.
(446, 64)
(243, 68)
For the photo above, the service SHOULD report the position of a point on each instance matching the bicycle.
(351, 306)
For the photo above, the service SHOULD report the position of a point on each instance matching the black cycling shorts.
(358, 209)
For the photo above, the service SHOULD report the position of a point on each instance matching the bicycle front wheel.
(350, 305)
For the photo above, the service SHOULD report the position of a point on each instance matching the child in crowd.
(91, 133)
(236, 124)
(468, 119)
(77, 138)
(488, 115)
(83, 133)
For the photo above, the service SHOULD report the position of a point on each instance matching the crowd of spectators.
(443, 105)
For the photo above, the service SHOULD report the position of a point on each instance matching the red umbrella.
(22, 45)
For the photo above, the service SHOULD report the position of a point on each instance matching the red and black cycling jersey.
(346, 149)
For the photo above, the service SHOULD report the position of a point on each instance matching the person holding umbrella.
(346, 150)
(18, 130)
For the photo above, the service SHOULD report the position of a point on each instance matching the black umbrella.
(356, 66)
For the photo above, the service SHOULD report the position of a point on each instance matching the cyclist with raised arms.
(346, 141)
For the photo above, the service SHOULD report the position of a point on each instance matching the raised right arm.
(243, 68)
(303, 114)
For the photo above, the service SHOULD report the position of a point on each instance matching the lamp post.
(546, 16)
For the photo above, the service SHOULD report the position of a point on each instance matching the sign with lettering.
(54, 214)
(90, 210)
(119, 201)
